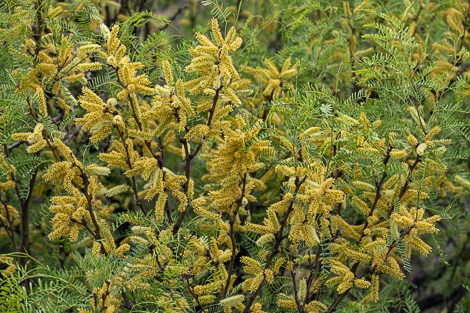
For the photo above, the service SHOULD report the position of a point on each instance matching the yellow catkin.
(232, 301)
(111, 192)
(42, 105)
(167, 73)
(160, 207)
(398, 154)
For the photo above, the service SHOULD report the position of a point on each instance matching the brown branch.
(105, 296)
(378, 191)
(409, 178)
(278, 240)
(407, 183)
(190, 156)
(268, 99)
(8, 228)
(25, 210)
(138, 202)
(14, 145)
(313, 275)
(209, 120)
(337, 301)
(232, 237)
(192, 292)
(299, 305)
(89, 207)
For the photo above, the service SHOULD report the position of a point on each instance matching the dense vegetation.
(234, 156)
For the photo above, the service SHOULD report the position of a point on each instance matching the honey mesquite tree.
(206, 178)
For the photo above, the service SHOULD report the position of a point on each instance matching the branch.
(25, 209)
(296, 296)
(190, 156)
(232, 237)
(138, 202)
(279, 238)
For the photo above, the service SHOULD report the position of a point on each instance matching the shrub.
(291, 163)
